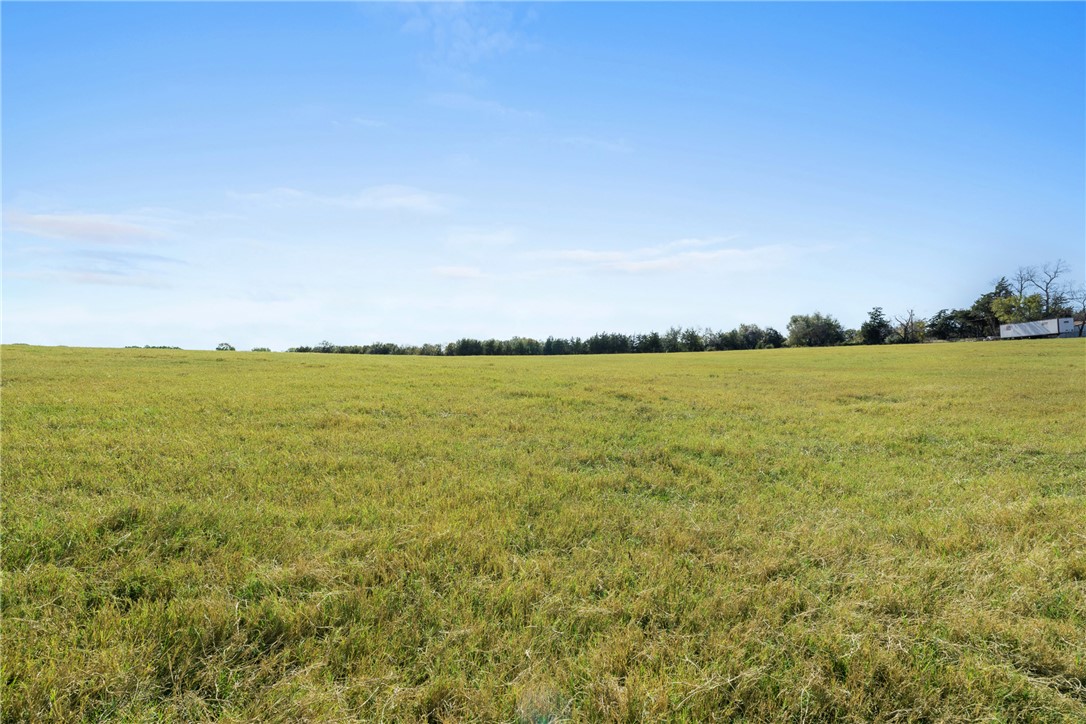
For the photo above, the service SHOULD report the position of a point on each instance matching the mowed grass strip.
(860, 534)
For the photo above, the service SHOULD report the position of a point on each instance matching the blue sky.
(281, 174)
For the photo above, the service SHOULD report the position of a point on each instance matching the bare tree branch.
(1047, 282)
(1023, 279)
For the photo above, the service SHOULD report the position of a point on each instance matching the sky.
(283, 174)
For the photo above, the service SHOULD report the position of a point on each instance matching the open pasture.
(859, 534)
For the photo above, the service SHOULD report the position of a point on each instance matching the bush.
(814, 330)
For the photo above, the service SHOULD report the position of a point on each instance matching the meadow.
(849, 534)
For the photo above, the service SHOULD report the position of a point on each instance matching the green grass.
(862, 534)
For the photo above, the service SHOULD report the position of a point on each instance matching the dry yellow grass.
(863, 534)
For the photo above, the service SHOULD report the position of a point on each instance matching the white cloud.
(87, 228)
(388, 197)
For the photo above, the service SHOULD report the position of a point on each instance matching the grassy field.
(861, 534)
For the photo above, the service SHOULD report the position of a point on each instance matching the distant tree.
(557, 346)
(672, 340)
(944, 325)
(691, 341)
(1051, 295)
(814, 330)
(1054, 293)
(749, 336)
(772, 339)
(1014, 309)
(1078, 311)
(650, 342)
(713, 340)
(909, 329)
(971, 323)
(464, 347)
(261, 349)
(1023, 280)
(224, 347)
(729, 340)
(981, 318)
(600, 343)
(524, 346)
(877, 327)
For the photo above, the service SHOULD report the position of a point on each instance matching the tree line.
(1032, 293)
(676, 339)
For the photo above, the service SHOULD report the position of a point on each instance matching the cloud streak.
(679, 255)
(85, 228)
(457, 272)
(388, 197)
(473, 104)
(111, 267)
(463, 34)
(482, 238)
(597, 144)
(360, 122)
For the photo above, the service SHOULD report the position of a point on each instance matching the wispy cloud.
(98, 266)
(86, 228)
(123, 260)
(587, 256)
(734, 259)
(388, 197)
(482, 238)
(680, 255)
(597, 144)
(458, 272)
(460, 37)
(467, 33)
(116, 280)
(473, 104)
(360, 122)
(396, 198)
(368, 122)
